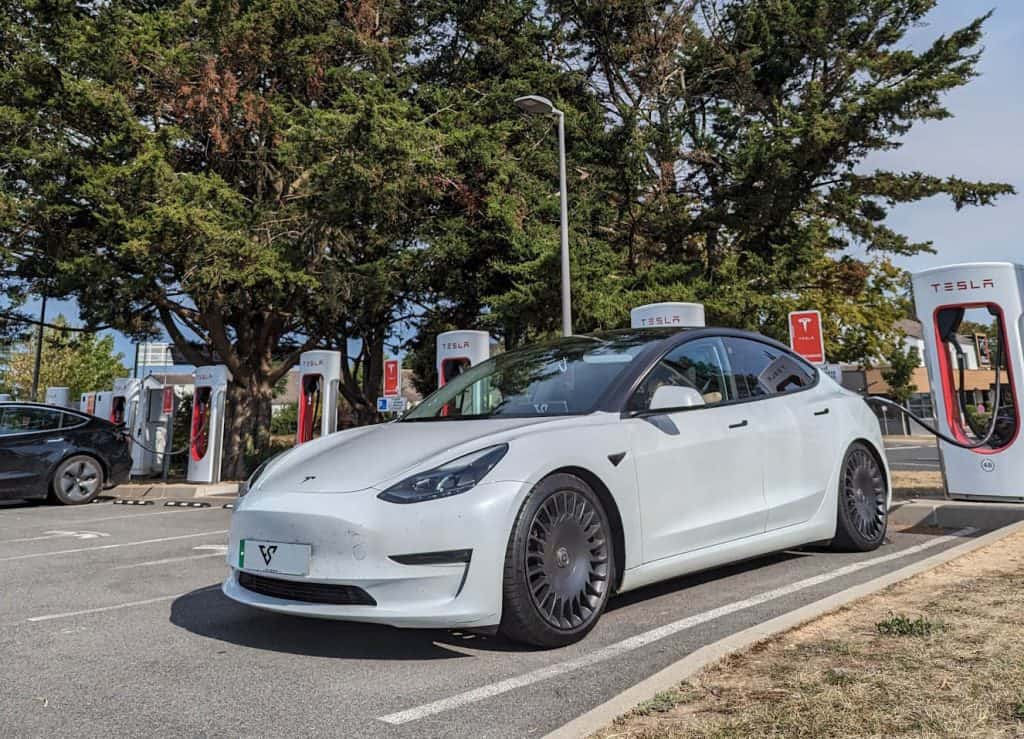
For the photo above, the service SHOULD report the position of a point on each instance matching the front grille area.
(306, 592)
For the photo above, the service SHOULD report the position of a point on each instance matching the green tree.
(901, 361)
(246, 178)
(739, 132)
(79, 361)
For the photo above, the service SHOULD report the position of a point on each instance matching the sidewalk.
(157, 490)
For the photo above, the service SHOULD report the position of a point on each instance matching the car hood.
(368, 456)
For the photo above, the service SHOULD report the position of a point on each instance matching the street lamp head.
(535, 105)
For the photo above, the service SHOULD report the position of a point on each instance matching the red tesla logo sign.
(392, 378)
(168, 400)
(805, 336)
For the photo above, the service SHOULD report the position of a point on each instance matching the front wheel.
(79, 479)
(862, 514)
(558, 566)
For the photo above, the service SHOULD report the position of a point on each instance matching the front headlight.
(451, 478)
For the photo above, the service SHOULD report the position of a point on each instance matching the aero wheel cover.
(567, 560)
(79, 479)
(864, 494)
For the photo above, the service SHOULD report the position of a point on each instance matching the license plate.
(273, 556)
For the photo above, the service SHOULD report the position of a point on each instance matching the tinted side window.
(760, 370)
(70, 420)
(18, 420)
(698, 364)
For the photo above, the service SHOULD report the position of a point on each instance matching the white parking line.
(112, 546)
(103, 609)
(219, 551)
(147, 514)
(641, 640)
(58, 535)
(894, 448)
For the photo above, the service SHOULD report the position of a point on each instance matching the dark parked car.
(51, 452)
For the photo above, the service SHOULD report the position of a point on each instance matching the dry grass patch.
(917, 484)
(940, 655)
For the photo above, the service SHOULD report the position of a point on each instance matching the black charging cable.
(960, 396)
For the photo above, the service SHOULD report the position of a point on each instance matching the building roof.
(910, 327)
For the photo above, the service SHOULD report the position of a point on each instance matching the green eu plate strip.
(241, 553)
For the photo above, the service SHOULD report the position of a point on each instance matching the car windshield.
(563, 378)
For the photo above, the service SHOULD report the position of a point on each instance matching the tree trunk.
(246, 426)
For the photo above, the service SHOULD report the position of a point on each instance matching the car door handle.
(54, 441)
(821, 413)
(739, 425)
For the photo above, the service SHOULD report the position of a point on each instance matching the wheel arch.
(611, 508)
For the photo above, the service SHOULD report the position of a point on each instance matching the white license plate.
(273, 556)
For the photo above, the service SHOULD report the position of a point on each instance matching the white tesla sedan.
(529, 489)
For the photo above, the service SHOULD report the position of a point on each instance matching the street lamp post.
(39, 350)
(537, 105)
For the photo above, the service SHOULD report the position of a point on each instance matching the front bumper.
(353, 537)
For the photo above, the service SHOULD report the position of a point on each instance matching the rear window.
(761, 370)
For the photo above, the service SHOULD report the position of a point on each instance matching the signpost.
(392, 378)
(806, 337)
(391, 405)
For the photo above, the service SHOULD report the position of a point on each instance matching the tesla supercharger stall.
(87, 403)
(987, 460)
(206, 437)
(319, 377)
(58, 396)
(157, 405)
(667, 315)
(124, 401)
(128, 407)
(104, 404)
(457, 351)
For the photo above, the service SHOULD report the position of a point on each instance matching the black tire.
(559, 565)
(862, 513)
(77, 480)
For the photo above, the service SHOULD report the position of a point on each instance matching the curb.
(601, 716)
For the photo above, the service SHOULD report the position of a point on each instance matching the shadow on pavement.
(208, 612)
(688, 581)
(21, 503)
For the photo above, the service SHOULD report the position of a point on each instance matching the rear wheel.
(79, 479)
(862, 516)
(558, 565)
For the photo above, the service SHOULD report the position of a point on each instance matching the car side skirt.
(817, 529)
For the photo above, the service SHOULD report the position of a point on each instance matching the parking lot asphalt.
(912, 455)
(112, 622)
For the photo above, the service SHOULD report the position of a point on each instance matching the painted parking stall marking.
(212, 550)
(104, 609)
(58, 535)
(112, 546)
(648, 637)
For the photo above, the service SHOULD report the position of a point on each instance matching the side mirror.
(675, 396)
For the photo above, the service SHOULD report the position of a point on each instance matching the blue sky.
(983, 141)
